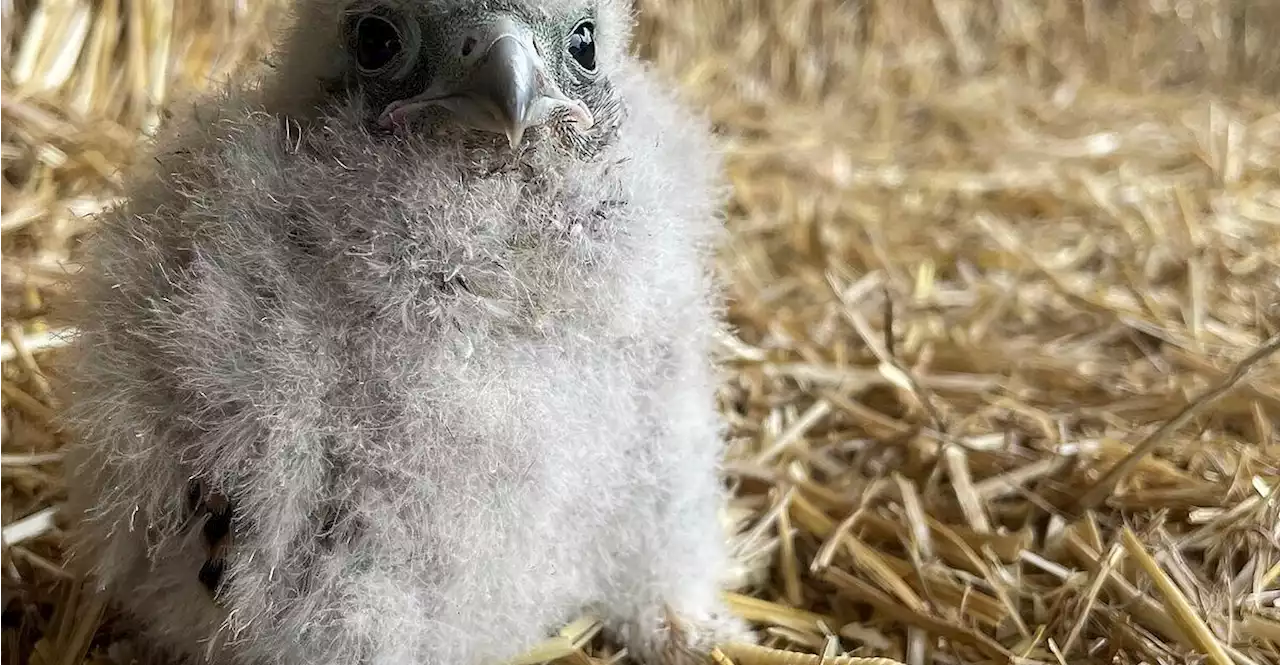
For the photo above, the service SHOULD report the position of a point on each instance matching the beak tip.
(514, 136)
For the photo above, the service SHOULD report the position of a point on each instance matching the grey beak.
(506, 76)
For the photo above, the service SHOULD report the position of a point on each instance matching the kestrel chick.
(402, 355)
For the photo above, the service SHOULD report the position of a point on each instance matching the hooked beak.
(503, 87)
(507, 80)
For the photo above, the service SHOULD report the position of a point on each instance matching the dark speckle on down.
(418, 385)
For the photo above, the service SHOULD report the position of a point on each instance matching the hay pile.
(1006, 282)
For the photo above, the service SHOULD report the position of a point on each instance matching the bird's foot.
(686, 639)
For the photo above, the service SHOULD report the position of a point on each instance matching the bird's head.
(512, 68)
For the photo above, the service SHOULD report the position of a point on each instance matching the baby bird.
(400, 356)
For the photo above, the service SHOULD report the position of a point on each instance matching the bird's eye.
(377, 43)
(582, 45)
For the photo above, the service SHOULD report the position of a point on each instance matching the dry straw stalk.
(1005, 284)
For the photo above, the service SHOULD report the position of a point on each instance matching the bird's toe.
(688, 639)
(215, 509)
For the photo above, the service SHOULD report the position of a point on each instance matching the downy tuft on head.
(508, 71)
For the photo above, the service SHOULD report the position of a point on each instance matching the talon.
(211, 574)
(219, 523)
(195, 493)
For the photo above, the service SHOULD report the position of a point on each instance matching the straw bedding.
(1006, 300)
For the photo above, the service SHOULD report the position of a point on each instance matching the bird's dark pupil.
(582, 46)
(377, 42)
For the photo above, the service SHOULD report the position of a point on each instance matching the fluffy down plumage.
(343, 396)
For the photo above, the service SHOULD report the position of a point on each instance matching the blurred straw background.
(1006, 281)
